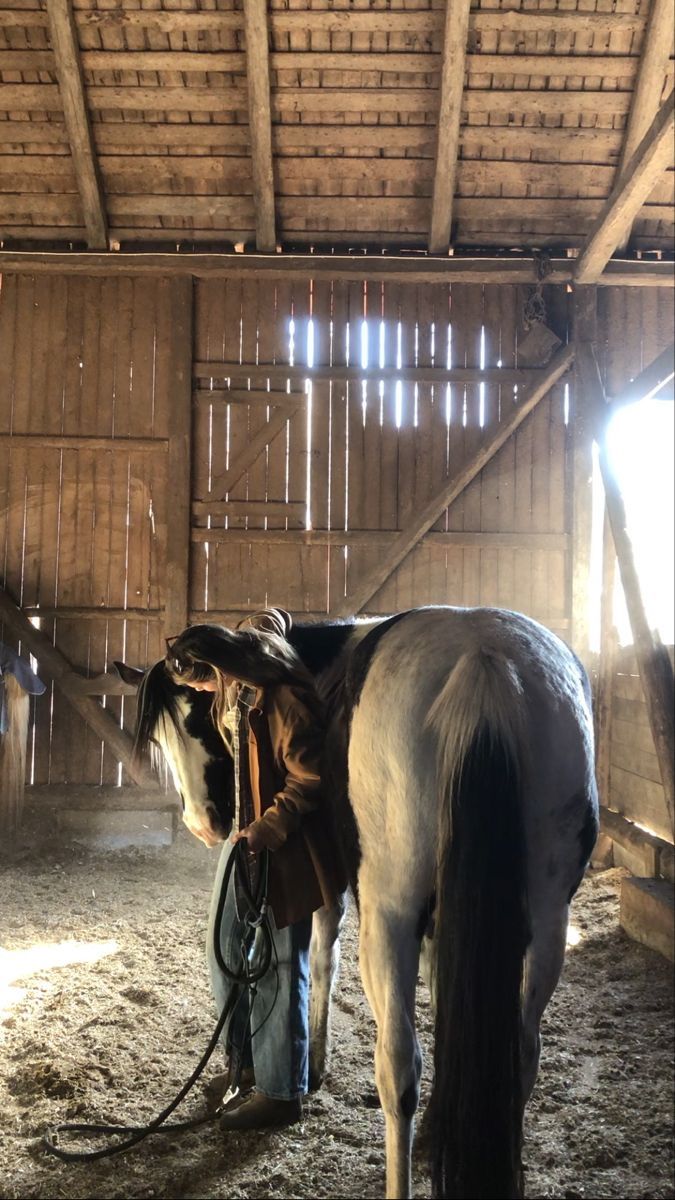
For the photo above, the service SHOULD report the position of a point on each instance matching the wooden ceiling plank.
(420, 22)
(260, 122)
(654, 66)
(156, 137)
(405, 62)
(606, 66)
(651, 158)
(63, 34)
(449, 119)
(44, 97)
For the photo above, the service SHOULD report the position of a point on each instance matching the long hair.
(251, 656)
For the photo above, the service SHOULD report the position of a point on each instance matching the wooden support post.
(584, 325)
(651, 76)
(177, 570)
(54, 665)
(64, 39)
(654, 663)
(449, 118)
(608, 643)
(13, 759)
(260, 121)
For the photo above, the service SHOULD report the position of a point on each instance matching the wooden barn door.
(375, 446)
(89, 382)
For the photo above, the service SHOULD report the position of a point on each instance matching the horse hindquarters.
(482, 933)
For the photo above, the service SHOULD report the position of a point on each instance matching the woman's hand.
(252, 835)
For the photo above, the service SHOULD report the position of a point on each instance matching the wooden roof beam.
(651, 76)
(651, 158)
(260, 121)
(455, 36)
(63, 34)
(354, 267)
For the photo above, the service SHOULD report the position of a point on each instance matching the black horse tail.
(482, 932)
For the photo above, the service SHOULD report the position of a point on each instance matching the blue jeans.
(278, 1049)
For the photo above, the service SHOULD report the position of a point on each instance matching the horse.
(459, 756)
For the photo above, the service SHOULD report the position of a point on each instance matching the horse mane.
(157, 697)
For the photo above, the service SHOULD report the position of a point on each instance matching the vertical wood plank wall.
(359, 458)
(635, 787)
(83, 522)
(633, 329)
(88, 542)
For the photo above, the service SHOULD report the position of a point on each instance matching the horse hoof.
(315, 1080)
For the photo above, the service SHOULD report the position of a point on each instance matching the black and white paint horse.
(463, 741)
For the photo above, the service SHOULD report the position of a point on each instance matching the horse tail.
(482, 932)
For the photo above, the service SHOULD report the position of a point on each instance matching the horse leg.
(324, 960)
(389, 952)
(543, 964)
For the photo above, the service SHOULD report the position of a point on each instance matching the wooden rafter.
(654, 664)
(651, 158)
(654, 64)
(449, 117)
(63, 34)
(260, 121)
(422, 521)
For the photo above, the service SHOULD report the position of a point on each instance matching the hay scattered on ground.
(113, 1031)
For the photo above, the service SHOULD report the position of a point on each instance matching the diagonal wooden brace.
(409, 537)
(56, 666)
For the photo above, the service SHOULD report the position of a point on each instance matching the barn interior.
(348, 306)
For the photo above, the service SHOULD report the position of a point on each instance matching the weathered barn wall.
(297, 489)
(363, 458)
(635, 787)
(83, 449)
(634, 326)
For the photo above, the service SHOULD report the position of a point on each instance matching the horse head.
(175, 722)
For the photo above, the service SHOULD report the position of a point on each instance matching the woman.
(268, 712)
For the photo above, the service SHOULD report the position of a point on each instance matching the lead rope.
(246, 976)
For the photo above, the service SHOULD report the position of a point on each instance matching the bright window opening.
(640, 440)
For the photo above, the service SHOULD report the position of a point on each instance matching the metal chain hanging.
(534, 309)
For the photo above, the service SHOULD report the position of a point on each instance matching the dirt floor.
(105, 1011)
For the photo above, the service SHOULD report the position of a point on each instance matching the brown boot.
(216, 1089)
(258, 1111)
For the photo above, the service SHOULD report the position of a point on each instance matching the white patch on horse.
(187, 759)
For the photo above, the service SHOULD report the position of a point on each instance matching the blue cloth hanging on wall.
(12, 664)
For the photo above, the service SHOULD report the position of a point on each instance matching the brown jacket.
(285, 739)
